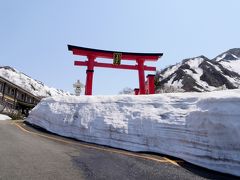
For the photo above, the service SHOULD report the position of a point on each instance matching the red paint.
(121, 66)
(136, 91)
(141, 76)
(89, 78)
(92, 54)
(150, 84)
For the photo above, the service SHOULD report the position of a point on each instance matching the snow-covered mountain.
(230, 59)
(202, 74)
(33, 86)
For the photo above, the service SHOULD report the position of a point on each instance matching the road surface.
(28, 153)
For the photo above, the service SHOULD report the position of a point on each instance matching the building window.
(22, 96)
(8, 90)
(12, 91)
(28, 99)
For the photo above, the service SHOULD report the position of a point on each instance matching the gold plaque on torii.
(117, 58)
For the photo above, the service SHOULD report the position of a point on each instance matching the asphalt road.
(28, 153)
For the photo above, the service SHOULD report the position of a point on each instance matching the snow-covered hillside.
(202, 128)
(230, 60)
(202, 74)
(33, 86)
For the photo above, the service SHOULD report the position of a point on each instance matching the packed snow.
(170, 70)
(4, 117)
(221, 57)
(201, 128)
(198, 72)
(33, 86)
(232, 65)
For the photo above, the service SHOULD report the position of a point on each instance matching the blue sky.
(34, 35)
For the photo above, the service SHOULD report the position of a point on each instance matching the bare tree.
(127, 90)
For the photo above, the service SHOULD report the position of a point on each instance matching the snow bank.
(201, 128)
(4, 117)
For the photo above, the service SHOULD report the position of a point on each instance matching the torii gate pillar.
(141, 76)
(89, 72)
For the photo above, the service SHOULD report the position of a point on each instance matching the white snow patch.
(234, 56)
(221, 57)
(200, 90)
(216, 67)
(232, 65)
(178, 84)
(201, 128)
(4, 117)
(194, 64)
(171, 70)
(33, 86)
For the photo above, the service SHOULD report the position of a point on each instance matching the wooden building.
(15, 97)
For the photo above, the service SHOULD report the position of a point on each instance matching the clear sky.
(34, 35)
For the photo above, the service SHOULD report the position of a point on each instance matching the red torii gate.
(92, 54)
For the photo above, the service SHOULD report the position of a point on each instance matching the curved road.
(28, 153)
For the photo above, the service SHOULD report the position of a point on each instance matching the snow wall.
(201, 128)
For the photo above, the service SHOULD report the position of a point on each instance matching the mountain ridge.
(199, 74)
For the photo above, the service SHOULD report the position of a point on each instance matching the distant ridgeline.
(200, 74)
(13, 97)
